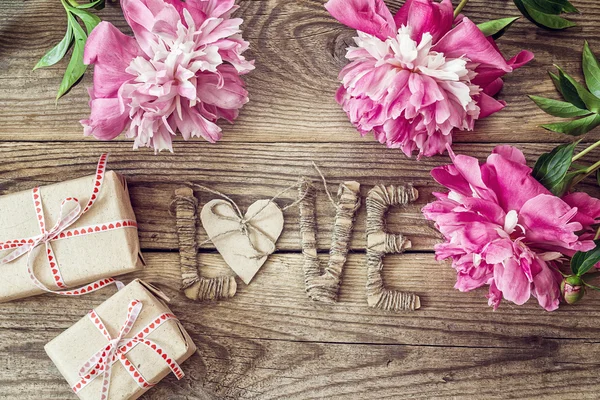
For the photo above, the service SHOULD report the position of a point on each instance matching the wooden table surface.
(270, 341)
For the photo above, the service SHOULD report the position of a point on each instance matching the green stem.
(459, 8)
(590, 170)
(585, 151)
(591, 286)
(597, 234)
(558, 270)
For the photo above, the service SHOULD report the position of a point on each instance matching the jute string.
(244, 225)
(380, 243)
(323, 285)
(194, 286)
(186, 212)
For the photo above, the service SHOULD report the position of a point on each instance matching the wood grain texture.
(299, 50)
(270, 341)
(247, 172)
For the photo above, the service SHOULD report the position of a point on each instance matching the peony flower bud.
(572, 289)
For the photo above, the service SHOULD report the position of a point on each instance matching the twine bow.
(244, 227)
(70, 212)
(118, 347)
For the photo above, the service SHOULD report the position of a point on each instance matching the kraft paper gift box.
(81, 257)
(167, 342)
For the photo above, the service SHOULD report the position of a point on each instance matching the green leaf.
(530, 10)
(76, 68)
(566, 184)
(57, 52)
(551, 168)
(582, 262)
(591, 70)
(598, 177)
(576, 127)
(89, 20)
(569, 91)
(558, 108)
(550, 21)
(570, 8)
(590, 101)
(98, 4)
(556, 81)
(521, 7)
(496, 28)
(554, 7)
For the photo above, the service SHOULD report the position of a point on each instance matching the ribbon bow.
(118, 347)
(70, 212)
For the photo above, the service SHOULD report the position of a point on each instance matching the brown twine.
(380, 243)
(244, 226)
(194, 286)
(324, 285)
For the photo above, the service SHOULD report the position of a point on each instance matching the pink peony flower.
(502, 228)
(181, 72)
(414, 78)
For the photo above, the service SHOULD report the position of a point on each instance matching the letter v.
(323, 285)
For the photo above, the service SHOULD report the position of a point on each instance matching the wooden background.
(270, 341)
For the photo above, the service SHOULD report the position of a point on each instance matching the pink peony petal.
(428, 16)
(470, 170)
(216, 8)
(549, 220)
(511, 182)
(510, 153)
(494, 87)
(451, 178)
(494, 296)
(522, 58)
(546, 286)
(498, 251)
(401, 17)
(106, 120)
(488, 105)
(111, 52)
(368, 16)
(231, 95)
(512, 282)
(141, 20)
(588, 208)
(466, 39)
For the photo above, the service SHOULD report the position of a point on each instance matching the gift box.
(123, 347)
(67, 234)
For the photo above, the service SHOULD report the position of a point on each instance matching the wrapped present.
(73, 233)
(123, 347)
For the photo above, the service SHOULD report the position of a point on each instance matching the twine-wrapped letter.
(380, 243)
(194, 286)
(324, 285)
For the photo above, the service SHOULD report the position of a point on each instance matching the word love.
(323, 284)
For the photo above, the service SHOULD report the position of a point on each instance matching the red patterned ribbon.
(102, 361)
(70, 212)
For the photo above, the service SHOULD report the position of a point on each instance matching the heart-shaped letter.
(239, 250)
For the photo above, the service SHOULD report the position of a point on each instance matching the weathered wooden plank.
(271, 342)
(250, 368)
(299, 51)
(247, 172)
(275, 307)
